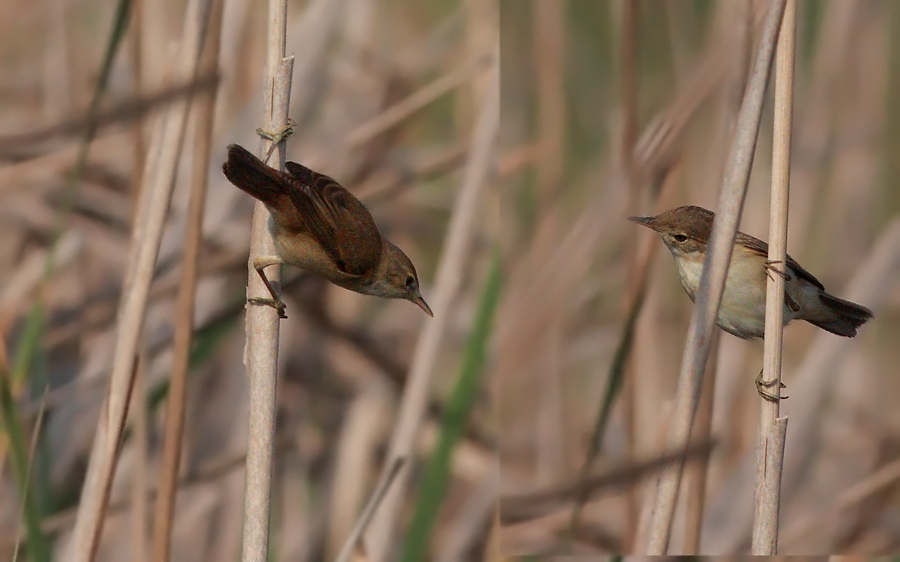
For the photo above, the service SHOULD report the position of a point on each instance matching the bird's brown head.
(684, 230)
(397, 278)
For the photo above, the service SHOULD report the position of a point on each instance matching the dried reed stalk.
(187, 289)
(712, 282)
(133, 305)
(139, 494)
(261, 352)
(739, 27)
(773, 428)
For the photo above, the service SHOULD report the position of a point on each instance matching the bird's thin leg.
(769, 266)
(277, 137)
(259, 264)
(761, 385)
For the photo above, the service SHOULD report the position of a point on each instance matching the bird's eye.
(679, 237)
(410, 282)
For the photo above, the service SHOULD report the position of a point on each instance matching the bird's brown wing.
(336, 219)
(762, 248)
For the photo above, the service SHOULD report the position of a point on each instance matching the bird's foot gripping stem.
(770, 268)
(277, 137)
(275, 302)
(762, 385)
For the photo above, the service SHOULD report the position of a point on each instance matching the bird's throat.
(690, 267)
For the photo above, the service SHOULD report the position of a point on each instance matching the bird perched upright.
(742, 312)
(320, 227)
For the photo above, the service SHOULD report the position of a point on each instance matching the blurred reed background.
(387, 103)
(621, 108)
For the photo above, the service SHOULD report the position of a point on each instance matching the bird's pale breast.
(743, 308)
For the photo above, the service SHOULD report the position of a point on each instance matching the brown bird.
(320, 227)
(686, 231)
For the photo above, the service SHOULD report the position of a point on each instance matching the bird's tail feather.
(847, 317)
(252, 175)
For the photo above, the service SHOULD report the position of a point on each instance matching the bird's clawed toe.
(762, 385)
(769, 266)
(277, 305)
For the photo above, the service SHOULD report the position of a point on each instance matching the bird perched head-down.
(686, 232)
(320, 227)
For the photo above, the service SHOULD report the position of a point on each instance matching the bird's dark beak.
(420, 302)
(649, 222)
